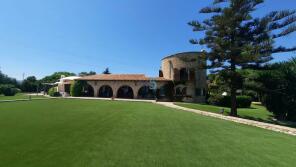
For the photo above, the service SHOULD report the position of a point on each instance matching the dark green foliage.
(87, 73)
(55, 77)
(76, 89)
(30, 84)
(4, 79)
(241, 101)
(106, 71)
(215, 99)
(8, 90)
(217, 85)
(253, 94)
(8, 86)
(46, 82)
(250, 86)
(234, 39)
(278, 86)
(53, 92)
(81, 89)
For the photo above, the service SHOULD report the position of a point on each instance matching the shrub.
(241, 101)
(53, 92)
(76, 89)
(279, 89)
(252, 94)
(8, 90)
(215, 99)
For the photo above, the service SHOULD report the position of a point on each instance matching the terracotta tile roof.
(120, 77)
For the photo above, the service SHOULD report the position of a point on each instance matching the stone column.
(114, 89)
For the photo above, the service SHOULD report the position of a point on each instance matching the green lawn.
(19, 96)
(92, 133)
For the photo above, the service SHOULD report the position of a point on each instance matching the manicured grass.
(19, 96)
(76, 133)
(255, 112)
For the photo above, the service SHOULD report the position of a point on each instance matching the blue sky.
(39, 37)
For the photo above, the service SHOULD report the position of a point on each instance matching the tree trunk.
(233, 87)
(233, 111)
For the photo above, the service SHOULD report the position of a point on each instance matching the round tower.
(190, 81)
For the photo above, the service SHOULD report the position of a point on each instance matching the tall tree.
(278, 86)
(4, 79)
(235, 39)
(106, 71)
(30, 84)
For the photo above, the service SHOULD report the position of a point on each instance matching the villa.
(180, 70)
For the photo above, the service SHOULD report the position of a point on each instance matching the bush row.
(8, 90)
(225, 101)
(241, 101)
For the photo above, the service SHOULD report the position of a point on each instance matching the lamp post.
(222, 109)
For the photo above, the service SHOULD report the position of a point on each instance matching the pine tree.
(235, 39)
(106, 71)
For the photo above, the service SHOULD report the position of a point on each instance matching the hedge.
(241, 101)
(53, 92)
(8, 90)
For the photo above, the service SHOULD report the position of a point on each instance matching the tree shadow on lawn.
(271, 120)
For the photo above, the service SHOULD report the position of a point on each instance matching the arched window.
(146, 93)
(191, 74)
(176, 75)
(88, 90)
(178, 91)
(171, 69)
(183, 74)
(181, 90)
(105, 91)
(161, 91)
(125, 92)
